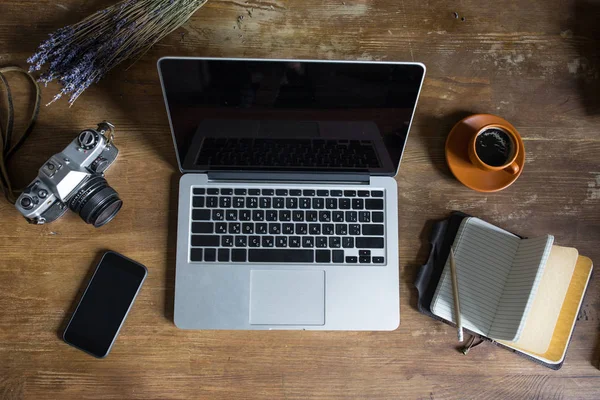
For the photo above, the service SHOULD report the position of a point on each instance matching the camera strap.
(8, 142)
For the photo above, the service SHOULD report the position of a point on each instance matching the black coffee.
(494, 147)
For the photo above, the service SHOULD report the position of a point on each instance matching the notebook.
(548, 323)
(498, 277)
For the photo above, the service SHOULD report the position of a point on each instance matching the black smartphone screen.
(96, 322)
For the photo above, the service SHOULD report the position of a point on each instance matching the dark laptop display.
(290, 115)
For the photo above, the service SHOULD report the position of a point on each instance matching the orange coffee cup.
(495, 148)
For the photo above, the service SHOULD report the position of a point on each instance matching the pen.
(455, 293)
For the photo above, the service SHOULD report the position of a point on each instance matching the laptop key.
(227, 191)
(262, 228)
(251, 202)
(241, 241)
(223, 255)
(372, 229)
(378, 260)
(265, 202)
(245, 215)
(364, 252)
(268, 192)
(337, 216)
(318, 203)
(295, 241)
(281, 255)
(288, 229)
(285, 215)
(308, 192)
(291, 202)
(322, 192)
(298, 216)
(240, 192)
(341, 229)
(235, 227)
(344, 204)
(198, 201)
(314, 229)
(281, 192)
(351, 259)
(212, 191)
(321, 241)
(336, 193)
(323, 256)
(203, 227)
(271, 215)
(199, 190)
(369, 242)
(231, 215)
(377, 216)
(212, 201)
(377, 193)
(363, 193)
(238, 255)
(278, 202)
(281, 241)
(334, 242)
(374, 204)
(325, 216)
(196, 255)
(205, 240)
(364, 259)
(253, 192)
(364, 216)
(358, 204)
(308, 241)
(248, 228)
(301, 229)
(354, 229)
(218, 215)
(210, 254)
(331, 203)
(295, 192)
(274, 228)
(254, 241)
(221, 227)
(347, 242)
(338, 256)
(327, 229)
(258, 215)
(227, 241)
(349, 193)
(312, 216)
(238, 202)
(304, 203)
(351, 216)
(268, 241)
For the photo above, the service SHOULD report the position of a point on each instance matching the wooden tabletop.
(535, 63)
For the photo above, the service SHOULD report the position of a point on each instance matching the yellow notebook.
(563, 330)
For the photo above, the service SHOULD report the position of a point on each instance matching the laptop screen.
(288, 115)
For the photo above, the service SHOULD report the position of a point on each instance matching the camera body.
(74, 178)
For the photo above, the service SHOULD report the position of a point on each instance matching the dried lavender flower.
(79, 55)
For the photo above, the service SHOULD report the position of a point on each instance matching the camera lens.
(96, 202)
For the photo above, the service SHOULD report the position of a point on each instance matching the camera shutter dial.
(88, 139)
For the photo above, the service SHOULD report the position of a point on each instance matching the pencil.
(455, 293)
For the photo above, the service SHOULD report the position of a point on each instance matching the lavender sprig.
(79, 55)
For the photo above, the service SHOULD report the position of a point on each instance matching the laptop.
(288, 207)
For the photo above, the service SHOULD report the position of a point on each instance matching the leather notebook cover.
(442, 237)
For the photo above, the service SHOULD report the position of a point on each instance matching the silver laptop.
(288, 208)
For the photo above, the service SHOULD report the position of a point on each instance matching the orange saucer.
(457, 155)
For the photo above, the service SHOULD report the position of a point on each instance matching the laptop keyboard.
(288, 153)
(287, 225)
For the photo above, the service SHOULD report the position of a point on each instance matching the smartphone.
(105, 304)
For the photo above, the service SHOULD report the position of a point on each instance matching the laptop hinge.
(363, 178)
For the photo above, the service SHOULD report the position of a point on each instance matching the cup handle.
(513, 168)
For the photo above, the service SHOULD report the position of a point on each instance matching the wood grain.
(535, 63)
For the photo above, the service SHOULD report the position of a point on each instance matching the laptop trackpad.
(287, 297)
